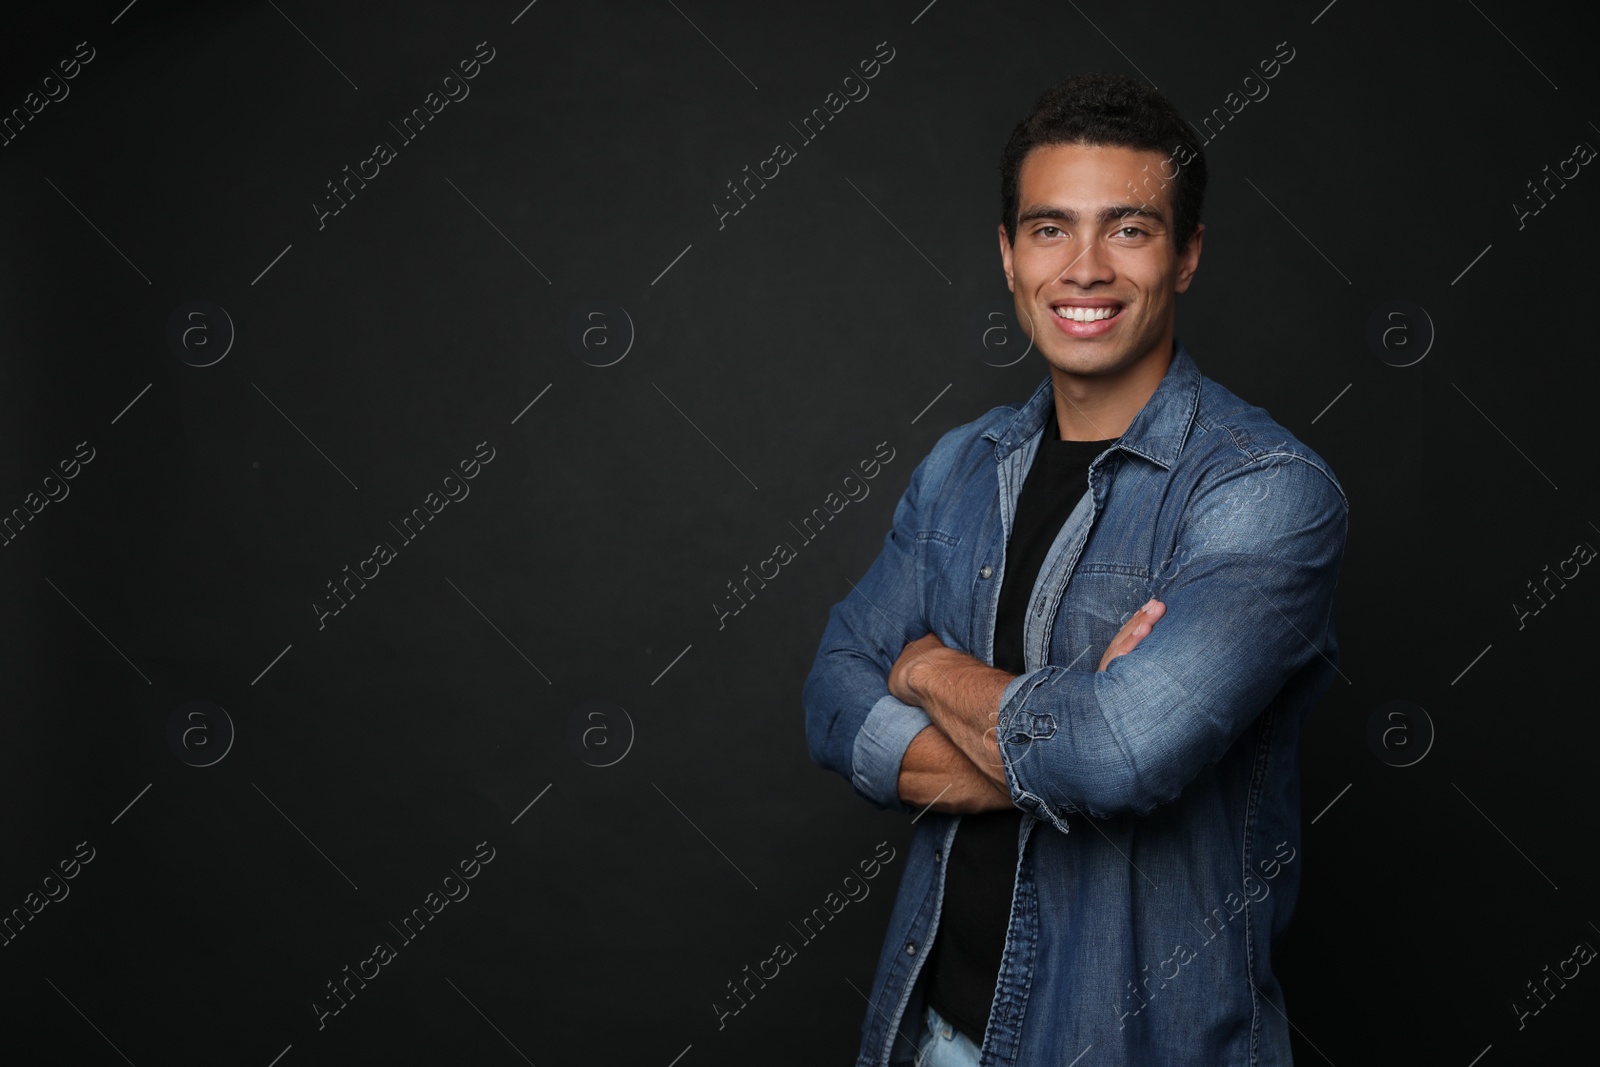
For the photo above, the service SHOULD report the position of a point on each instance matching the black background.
(843, 307)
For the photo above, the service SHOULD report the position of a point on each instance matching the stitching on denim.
(1025, 996)
(911, 979)
(1258, 775)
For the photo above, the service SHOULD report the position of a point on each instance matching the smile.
(1080, 321)
(1076, 314)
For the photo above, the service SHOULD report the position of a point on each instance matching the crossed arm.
(1252, 584)
(954, 765)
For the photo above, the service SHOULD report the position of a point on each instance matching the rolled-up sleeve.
(1249, 598)
(854, 725)
(881, 747)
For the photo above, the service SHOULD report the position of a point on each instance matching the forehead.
(1082, 175)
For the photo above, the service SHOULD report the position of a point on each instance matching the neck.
(1099, 408)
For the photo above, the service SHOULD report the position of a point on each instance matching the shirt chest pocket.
(1099, 599)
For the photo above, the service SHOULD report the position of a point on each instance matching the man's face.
(1095, 238)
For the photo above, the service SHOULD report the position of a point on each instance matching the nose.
(1087, 265)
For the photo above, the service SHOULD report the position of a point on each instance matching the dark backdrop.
(542, 675)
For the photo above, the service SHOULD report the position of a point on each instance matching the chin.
(1088, 361)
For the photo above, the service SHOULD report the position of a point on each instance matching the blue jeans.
(945, 1046)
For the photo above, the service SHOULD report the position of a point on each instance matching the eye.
(1047, 226)
(1131, 231)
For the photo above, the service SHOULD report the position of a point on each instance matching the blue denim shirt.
(1159, 852)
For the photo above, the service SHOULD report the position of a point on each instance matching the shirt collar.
(1157, 432)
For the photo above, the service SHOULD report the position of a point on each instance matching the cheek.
(1156, 302)
(1156, 284)
(1037, 267)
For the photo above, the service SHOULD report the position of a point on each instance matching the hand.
(918, 654)
(1133, 631)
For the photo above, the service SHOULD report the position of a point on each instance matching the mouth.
(1086, 318)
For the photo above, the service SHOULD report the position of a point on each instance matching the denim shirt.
(1158, 857)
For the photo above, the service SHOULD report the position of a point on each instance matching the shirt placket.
(1002, 1041)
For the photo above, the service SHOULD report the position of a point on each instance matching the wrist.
(913, 680)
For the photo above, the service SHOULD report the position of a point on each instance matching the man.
(1084, 655)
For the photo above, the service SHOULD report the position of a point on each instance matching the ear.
(1189, 260)
(1005, 257)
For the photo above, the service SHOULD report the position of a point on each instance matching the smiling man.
(1082, 660)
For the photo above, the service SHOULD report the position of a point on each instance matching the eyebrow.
(1106, 214)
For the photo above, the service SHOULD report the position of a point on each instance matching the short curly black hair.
(1118, 111)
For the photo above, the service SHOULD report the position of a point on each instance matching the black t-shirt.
(981, 871)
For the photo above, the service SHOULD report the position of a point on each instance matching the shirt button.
(985, 571)
(938, 854)
(911, 948)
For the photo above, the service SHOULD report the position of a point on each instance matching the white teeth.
(1085, 314)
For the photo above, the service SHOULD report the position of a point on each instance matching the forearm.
(961, 695)
(935, 773)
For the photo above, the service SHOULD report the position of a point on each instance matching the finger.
(1132, 634)
(1133, 631)
(1149, 612)
(1137, 626)
(1120, 645)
